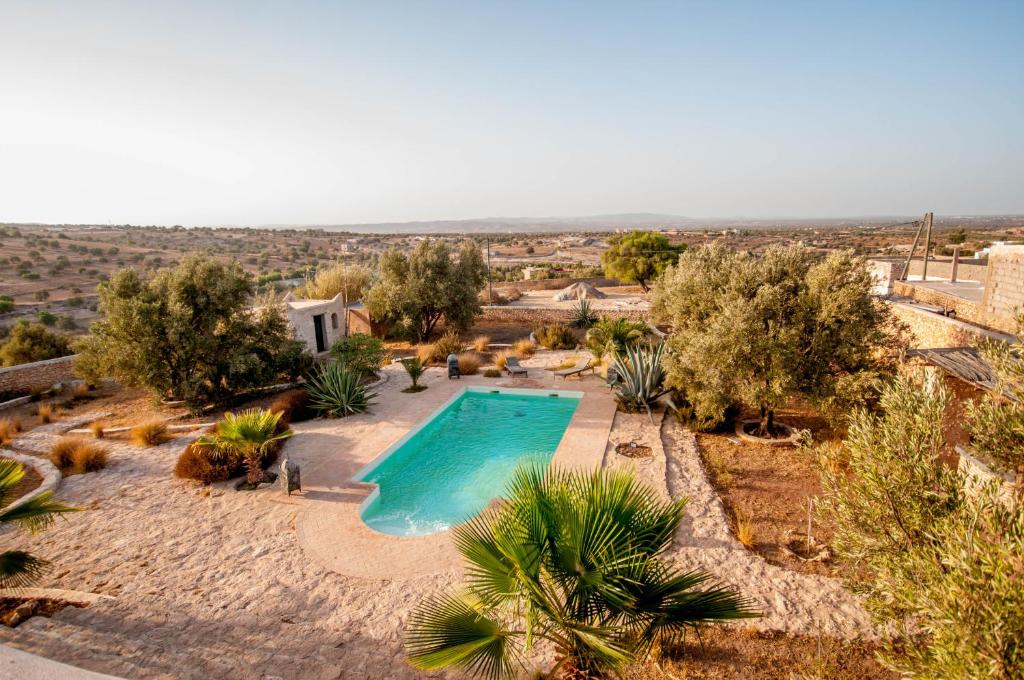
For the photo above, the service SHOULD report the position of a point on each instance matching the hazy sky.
(334, 112)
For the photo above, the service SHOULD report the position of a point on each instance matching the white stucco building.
(317, 323)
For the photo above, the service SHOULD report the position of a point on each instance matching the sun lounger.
(581, 367)
(513, 367)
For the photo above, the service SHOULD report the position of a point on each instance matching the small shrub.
(89, 457)
(492, 373)
(511, 294)
(335, 391)
(360, 352)
(524, 348)
(555, 336)
(293, 406)
(62, 453)
(415, 368)
(80, 391)
(582, 314)
(481, 343)
(197, 462)
(96, 427)
(150, 433)
(469, 363)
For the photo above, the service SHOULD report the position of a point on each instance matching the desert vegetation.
(187, 334)
(336, 391)
(571, 559)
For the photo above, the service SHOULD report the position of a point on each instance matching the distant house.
(317, 323)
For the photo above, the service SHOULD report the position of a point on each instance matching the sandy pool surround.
(333, 532)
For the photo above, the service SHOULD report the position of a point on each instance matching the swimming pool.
(454, 464)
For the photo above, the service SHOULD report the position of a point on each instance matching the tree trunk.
(254, 472)
(767, 423)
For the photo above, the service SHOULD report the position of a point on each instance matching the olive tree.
(416, 291)
(756, 331)
(188, 333)
(30, 342)
(639, 257)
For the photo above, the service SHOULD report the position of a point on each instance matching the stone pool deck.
(329, 527)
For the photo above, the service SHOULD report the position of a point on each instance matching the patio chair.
(581, 367)
(513, 367)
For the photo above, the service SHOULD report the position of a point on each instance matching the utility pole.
(487, 239)
(917, 237)
(927, 244)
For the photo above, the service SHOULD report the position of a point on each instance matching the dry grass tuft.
(62, 454)
(568, 363)
(524, 348)
(480, 343)
(47, 413)
(469, 363)
(501, 359)
(97, 429)
(425, 353)
(293, 406)
(150, 433)
(90, 457)
(744, 527)
(80, 391)
(492, 373)
(8, 428)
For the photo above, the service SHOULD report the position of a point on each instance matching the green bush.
(336, 391)
(29, 342)
(555, 336)
(360, 352)
(941, 568)
(996, 421)
(582, 314)
(613, 336)
(6, 303)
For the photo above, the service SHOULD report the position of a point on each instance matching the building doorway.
(321, 334)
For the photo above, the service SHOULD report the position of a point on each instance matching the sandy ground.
(209, 582)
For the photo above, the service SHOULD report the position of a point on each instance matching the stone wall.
(38, 374)
(531, 316)
(973, 270)
(931, 330)
(965, 309)
(1004, 286)
(552, 284)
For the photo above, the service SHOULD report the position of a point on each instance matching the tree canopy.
(416, 291)
(639, 257)
(758, 330)
(188, 333)
(32, 342)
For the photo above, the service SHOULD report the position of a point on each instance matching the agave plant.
(248, 433)
(336, 391)
(415, 368)
(613, 336)
(582, 315)
(642, 376)
(573, 559)
(17, 567)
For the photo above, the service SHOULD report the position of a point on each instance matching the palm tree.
(17, 567)
(415, 368)
(248, 433)
(572, 559)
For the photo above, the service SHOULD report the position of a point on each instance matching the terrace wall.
(38, 374)
(965, 309)
(931, 330)
(532, 316)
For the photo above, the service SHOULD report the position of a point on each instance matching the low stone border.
(382, 378)
(17, 401)
(47, 470)
(791, 440)
(72, 596)
(978, 474)
(129, 428)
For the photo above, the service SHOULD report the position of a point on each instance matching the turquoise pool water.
(461, 459)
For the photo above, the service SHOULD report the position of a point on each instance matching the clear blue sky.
(327, 113)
